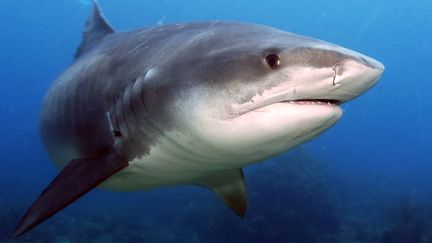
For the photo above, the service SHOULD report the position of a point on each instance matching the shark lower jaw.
(270, 129)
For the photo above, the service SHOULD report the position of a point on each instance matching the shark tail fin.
(77, 178)
(95, 30)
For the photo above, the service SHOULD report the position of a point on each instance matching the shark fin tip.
(229, 185)
(97, 27)
(77, 178)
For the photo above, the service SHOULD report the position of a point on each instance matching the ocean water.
(367, 179)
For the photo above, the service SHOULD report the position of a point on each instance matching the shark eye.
(273, 61)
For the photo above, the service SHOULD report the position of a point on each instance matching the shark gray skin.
(188, 104)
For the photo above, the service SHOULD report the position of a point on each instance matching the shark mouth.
(257, 105)
(314, 102)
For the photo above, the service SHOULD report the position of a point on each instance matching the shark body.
(188, 104)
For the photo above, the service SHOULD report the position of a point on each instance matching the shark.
(190, 103)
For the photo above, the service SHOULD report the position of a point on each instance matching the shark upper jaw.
(327, 91)
(256, 106)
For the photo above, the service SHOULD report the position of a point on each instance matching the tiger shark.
(188, 103)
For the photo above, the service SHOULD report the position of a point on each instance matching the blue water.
(368, 179)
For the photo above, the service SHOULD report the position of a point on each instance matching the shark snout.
(355, 76)
(370, 71)
(372, 63)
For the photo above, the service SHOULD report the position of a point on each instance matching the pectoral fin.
(77, 178)
(230, 186)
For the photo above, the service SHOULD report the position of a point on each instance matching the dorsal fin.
(95, 30)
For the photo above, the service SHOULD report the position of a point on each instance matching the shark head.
(260, 91)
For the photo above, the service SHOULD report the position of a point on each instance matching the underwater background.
(367, 179)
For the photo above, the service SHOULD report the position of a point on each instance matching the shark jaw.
(302, 106)
(301, 102)
(265, 130)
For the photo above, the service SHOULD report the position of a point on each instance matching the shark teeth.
(314, 102)
(257, 105)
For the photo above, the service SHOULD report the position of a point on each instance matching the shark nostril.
(364, 61)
